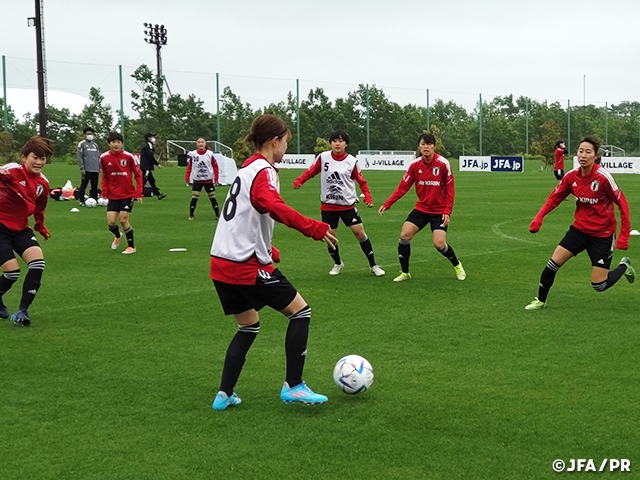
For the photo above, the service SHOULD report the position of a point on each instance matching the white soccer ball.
(102, 202)
(90, 202)
(353, 374)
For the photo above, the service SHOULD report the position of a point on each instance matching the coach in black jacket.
(147, 163)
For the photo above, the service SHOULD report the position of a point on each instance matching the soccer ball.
(90, 202)
(102, 202)
(353, 374)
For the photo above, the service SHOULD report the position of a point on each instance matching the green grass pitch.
(116, 375)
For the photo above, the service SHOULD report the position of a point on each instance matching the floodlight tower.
(157, 35)
(38, 22)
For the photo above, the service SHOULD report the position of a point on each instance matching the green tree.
(97, 115)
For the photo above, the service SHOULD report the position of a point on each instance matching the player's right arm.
(265, 198)
(402, 188)
(311, 172)
(558, 194)
(187, 174)
(104, 182)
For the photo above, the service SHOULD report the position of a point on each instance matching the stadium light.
(156, 35)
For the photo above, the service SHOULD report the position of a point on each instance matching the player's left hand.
(445, 220)
(330, 240)
(369, 204)
(139, 199)
(45, 233)
(535, 225)
(622, 243)
(381, 210)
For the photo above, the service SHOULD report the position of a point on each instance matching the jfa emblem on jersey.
(595, 185)
(436, 171)
(123, 162)
(39, 190)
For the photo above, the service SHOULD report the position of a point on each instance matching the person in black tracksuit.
(147, 163)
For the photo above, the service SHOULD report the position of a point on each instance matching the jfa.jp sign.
(492, 164)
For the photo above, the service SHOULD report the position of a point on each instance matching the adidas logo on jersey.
(600, 262)
(23, 183)
(574, 184)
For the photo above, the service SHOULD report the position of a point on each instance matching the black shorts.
(421, 220)
(349, 217)
(559, 174)
(124, 205)
(17, 242)
(271, 289)
(208, 187)
(600, 250)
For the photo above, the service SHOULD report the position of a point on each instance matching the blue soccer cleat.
(21, 318)
(222, 401)
(300, 393)
(4, 311)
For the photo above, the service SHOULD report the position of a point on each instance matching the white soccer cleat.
(377, 271)
(336, 269)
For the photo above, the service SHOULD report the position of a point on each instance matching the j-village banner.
(617, 164)
(391, 161)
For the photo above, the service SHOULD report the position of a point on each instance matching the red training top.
(23, 194)
(434, 186)
(118, 172)
(595, 195)
(559, 155)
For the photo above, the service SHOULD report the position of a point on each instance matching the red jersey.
(243, 233)
(595, 195)
(118, 172)
(23, 194)
(559, 155)
(434, 186)
(341, 173)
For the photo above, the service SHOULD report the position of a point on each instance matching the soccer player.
(339, 173)
(24, 191)
(435, 188)
(202, 172)
(241, 263)
(594, 227)
(559, 151)
(119, 169)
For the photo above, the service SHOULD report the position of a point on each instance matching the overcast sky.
(456, 48)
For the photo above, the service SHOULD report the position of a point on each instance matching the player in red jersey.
(202, 172)
(594, 227)
(241, 263)
(559, 151)
(24, 191)
(119, 169)
(431, 173)
(339, 172)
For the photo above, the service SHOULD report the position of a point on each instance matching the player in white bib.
(339, 173)
(202, 172)
(241, 263)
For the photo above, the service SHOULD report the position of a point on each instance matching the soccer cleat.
(377, 271)
(116, 242)
(161, 196)
(630, 272)
(336, 269)
(535, 305)
(4, 311)
(190, 218)
(460, 273)
(402, 277)
(222, 401)
(300, 393)
(21, 318)
(128, 251)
